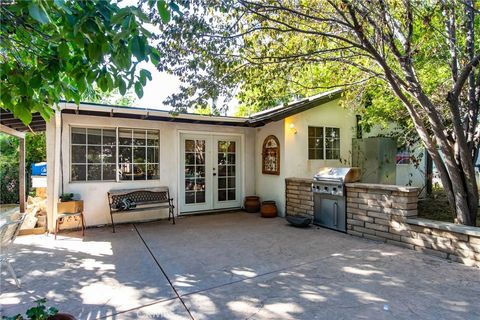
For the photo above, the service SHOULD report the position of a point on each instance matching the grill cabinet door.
(330, 212)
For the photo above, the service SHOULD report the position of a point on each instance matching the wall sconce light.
(292, 128)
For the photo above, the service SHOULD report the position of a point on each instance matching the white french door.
(210, 172)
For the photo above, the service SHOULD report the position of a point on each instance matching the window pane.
(311, 154)
(222, 171)
(231, 194)
(153, 138)
(139, 138)
(189, 197)
(200, 158)
(109, 172)
(125, 137)
(200, 184)
(79, 154)
(139, 172)
(109, 137)
(231, 182)
(109, 155)
(231, 146)
(231, 158)
(79, 172)
(222, 195)
(318, 153)
(189, 184)
(222, 146)
(200, 196)
(189, 145)
(200, 171)
(231, 170)
(139, 154)
(94, 136)
(93, 154)
(189, 171)
(79, 135)
(152, 155)
(311, 131)
(125, 171)
(125, 154)
(189, 158)
(222, 158)
(152, 172)
(319, 132)
(94, 172)
(222, 183)
(200, 145)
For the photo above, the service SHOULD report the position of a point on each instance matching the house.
(209, 163)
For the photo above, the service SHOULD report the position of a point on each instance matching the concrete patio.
(235, 266)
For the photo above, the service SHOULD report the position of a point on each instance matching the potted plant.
(65, 197)
(41, 312)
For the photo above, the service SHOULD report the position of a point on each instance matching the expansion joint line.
(164, 273)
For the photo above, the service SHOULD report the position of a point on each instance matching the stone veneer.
(389, 214)
(299, 197)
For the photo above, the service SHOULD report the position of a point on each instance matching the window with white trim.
(323, 143)
(138, 153)
(93, 154)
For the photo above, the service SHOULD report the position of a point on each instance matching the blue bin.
(39, 169)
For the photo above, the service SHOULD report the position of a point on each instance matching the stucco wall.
(94, 193)
(294, 148)
(270, 187)
(330, 114)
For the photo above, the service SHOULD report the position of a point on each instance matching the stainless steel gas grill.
(329, 196)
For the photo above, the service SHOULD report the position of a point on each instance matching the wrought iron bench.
(144, 199)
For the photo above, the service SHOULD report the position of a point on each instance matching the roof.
(8, 119)
(114, 111)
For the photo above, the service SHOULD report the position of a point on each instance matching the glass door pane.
(226, 164)
(194, 171)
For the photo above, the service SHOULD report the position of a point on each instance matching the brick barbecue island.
(388, 213)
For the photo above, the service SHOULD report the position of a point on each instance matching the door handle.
(335, 214)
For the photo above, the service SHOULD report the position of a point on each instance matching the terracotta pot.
(62, 316)
(269, 209)
(252, 204)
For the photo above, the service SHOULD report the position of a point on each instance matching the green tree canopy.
(60, 49)
(417, 61)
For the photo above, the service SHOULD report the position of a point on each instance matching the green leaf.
(122, 87)
(163, 11)
(63, 50)
(38, 13)
(61, 4)
(146, 74)
(154, 55)
(174, 7)
(139, 89)
(137, 46)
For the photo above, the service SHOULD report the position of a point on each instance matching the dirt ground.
(436, 207)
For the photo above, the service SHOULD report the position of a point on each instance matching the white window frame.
(116, 163)
(324, 144)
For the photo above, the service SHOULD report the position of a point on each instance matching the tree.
(377, 45)
(53, 50)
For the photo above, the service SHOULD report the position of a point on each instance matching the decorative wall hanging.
(271, 156)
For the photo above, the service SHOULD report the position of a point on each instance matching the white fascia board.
(148, 112)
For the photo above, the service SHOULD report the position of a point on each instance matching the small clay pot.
(252, 204)
(268, 209)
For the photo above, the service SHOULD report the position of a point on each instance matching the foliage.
(35, 144)
(39, 312)
(53, 50)
(416, 62)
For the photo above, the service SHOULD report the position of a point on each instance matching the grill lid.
(343, 175)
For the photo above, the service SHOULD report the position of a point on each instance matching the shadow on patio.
(238, 266)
